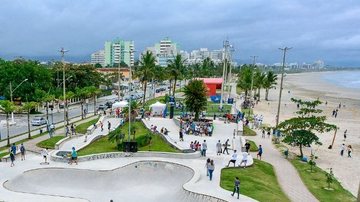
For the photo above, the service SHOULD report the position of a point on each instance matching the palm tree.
(93, 92)
(195, 97)
(82, 93)
(269, 82)
(48, 98)
(176, 70)
(28, 106)
(146, 71)
(134, 107)
(7, 107)
(244, 79)
(259, 79)
(116, 136)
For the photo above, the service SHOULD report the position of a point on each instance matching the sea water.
(347, 79)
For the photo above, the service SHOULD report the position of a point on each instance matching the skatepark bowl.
(139, 181)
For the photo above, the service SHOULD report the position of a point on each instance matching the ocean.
(347, 79)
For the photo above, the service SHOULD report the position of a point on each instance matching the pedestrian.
(349, 149)
(22, 152)
(44, 154)
(211, 169)
(13, 148)
(101, 126)
(109, 125)
(268, 133)
(263, 133)
(218, 148)
(12, 158)
(67, 131)
(342, 149)
(72, 129)
(85, 139)
(73, 156)
(207, 166)
(204, 148)
(247, 146)
(345, 133)
(260, 151)
(236, 187)
(233, 159)
(244, 159)
(226, 145)
(181, 136)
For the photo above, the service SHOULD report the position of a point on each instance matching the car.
(101, 107)
(38, 121)
(61, 105)
(108, 104)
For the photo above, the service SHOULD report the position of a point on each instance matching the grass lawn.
(82, 128)
(258, 182)
(102, 145)
(253, 146)
(50, 143)
(316, 181)
(3, 154)
(248, 131)
(24, 140)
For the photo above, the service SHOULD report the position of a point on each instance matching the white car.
(38, 121)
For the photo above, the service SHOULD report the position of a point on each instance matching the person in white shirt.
(44, 154)
(233, 159)
(218, 148)
(244, 159)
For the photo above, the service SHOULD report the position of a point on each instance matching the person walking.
(73, 129)
(233, 159)
(13, 149)
(207, 166)
(263, 133)
(12, 158)
(226, 145)
(349, 150)
(236, 187)
(22, 152)
(342, 149)
(211, 169)
(268, 134)
(44, 154)
(218, 148)
(247, 146)
(101, 126)
(67, 131)
(345, 133)
(204, 148)
(73, 156)
(109, 125)
(260, 151)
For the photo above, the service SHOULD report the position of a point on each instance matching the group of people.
(348, 149)
(72, 130)
(12, 153)
(199, 128)
(258, 119)
(210, 167)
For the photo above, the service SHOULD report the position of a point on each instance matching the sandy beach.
(311, 86)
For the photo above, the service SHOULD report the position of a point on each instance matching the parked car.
(38, 121)
(101, 107)
(61, 105)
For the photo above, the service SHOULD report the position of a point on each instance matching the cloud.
(316, 29)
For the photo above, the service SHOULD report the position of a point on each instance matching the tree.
(97, 65)
(48, 98)
(116, 136)
(176, 70)
(301, 129)
(244, 79)
(269, 82)
(145, 71)
(195, 97)
(134, 107)
(28, 106)
(259, 79)
(7, 107)
(93, 92)
(82, 93)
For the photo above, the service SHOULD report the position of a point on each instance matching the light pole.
(226, 46)
(252, 74)
(119, 77)
(281, 84)
(11, 97)
(63, 51)
(131, 51)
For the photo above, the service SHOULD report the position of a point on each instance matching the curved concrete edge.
(126, 154)
(61, 142)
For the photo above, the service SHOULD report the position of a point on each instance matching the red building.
(212, 84)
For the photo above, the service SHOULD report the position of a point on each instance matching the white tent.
(120, 104)
(157, 108)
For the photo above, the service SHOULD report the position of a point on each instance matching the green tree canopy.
(195, 97)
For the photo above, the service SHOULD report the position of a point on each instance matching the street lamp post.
(131, 51)
(11, 97)
(252, 75)
(226, 45)
(281, 84)
(63, 51)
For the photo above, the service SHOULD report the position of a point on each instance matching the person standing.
(342, 149)
(236, 187)
(211, 169)
(204, 148)
(218, 148)
(207, 166)
(345, 133)
(226, 145)
(73, 156)
(101, 126)
(13, 149)
(44, 154)
(233, 159)
(349, 150)
(73, 129)
(109, 125)
(260, 151)
(244, 159)
(268, 134)
(247, 146)
(12, 158)
(22, 152)
(181, 135)
(263, 133)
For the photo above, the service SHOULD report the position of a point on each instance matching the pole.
(63, 51)
(281, 84)
(333, 140)
(252, 74)
(119, 77)
(224, 71)
(11, 99)
(130, 82)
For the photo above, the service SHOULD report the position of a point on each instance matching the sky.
(316, 29)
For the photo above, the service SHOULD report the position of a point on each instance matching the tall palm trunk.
(267, 94)
(28, 122)
(8, 129)
(170, 82)
(174, 87)
(145, 87)
(259, 94)
(94, 104)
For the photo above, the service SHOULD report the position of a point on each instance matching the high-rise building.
(118, 51)
(98, 58)
(164, 51)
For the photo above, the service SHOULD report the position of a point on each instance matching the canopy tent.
(120, 104)
(158, 108)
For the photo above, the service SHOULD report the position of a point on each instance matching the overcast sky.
(316, 29)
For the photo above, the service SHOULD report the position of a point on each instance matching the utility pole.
(281, 83)
(63, 51)
(252, 74)
(226, 46)
(119, 77)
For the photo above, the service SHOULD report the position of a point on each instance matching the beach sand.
(309, 86)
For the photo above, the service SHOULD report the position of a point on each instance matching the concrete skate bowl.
(140, 181)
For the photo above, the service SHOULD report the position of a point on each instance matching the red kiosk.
(212, 84)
